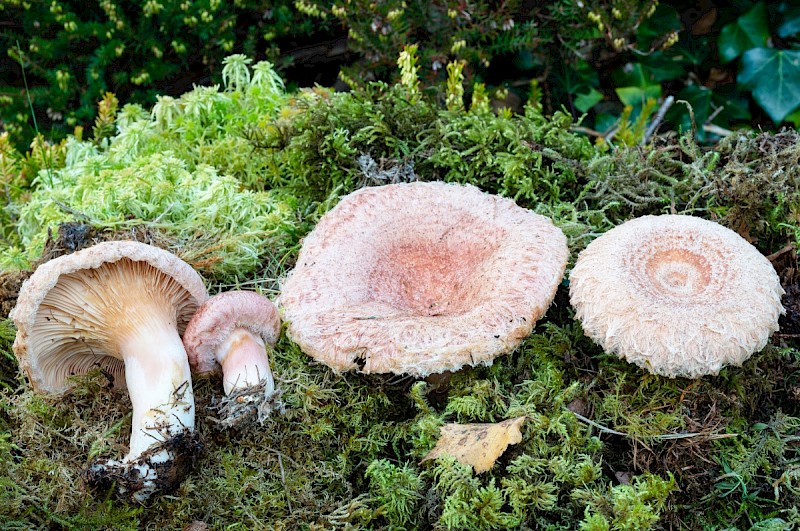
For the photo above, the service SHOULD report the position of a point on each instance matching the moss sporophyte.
(231, 179)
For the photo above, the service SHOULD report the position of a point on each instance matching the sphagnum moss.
(178, 169)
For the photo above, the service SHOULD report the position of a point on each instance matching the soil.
(790, 323)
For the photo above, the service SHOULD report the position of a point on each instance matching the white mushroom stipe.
(160, 389)
(244, 362)
(676, 295)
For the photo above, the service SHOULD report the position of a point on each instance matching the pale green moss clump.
(178, 170)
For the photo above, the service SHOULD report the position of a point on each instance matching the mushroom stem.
(244, 361)
(160, 387)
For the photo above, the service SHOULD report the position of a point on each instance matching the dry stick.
(717, 130)
(664, 437)
(777, 254)
(658, 119)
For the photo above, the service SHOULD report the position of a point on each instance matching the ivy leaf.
(790, 23)
(773, 76)
(749, 31)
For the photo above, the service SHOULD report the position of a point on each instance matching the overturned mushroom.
(230, 332)
(421, 278)
(677, 295)
(119, 306)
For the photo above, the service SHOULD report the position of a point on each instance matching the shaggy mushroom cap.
(421, 278)
(230, 332)
(119, 306)
(677, 295)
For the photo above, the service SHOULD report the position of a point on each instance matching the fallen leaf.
(477, 445)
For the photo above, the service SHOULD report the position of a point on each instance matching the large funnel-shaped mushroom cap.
(677, 295)
(74, 311)
(421, 278)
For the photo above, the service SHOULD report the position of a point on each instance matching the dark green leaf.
(790, 23)
(794, 118)
(773, 76)
(633, 75)
(749, 31)
(664, 67)
(605, 121)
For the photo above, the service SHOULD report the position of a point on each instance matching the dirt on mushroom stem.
(162, 468)
(246, 407)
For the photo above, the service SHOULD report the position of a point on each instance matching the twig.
(598, 426)
(664, 437)
(717, 130)
(662, 111)
(586, 131)
(714, 114)
(777, 254)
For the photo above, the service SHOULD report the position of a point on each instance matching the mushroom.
(421, 278)
(677, 295)
(230, 332)
(119, 306)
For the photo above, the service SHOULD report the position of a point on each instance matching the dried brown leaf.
(477, 445)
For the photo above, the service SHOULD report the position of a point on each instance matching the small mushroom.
(421, 278)
(230, 332)
(119, 306)
(677, 295)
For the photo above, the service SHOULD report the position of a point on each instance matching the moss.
(756, 185)
(748, 183)
(605, 445)
(529, 157)
(177, 170)
(8, 363)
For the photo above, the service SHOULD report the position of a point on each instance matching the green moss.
(8, 363)
(749, 183)
(604, 444)
(179, 172)
(629, 507)
(529, 157)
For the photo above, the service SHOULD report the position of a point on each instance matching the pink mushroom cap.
(677, 295)
(219, 316)
(421, 278)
